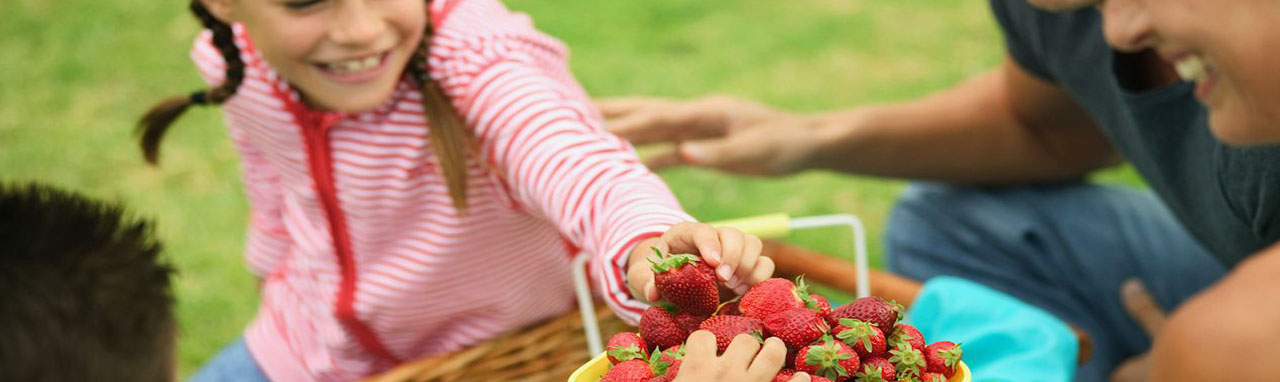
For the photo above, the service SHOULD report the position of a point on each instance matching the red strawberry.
(626, 346)
(942, 357)
(784, 375)
(629, 371)
(864, 338)
(689, 322)
(877, 369)
(769, 297)
(831, 359)
(673, 357)
(729, 309)
(908, 334)
(797, 327)
(686, 282)
(727, 327)
(659, 327)
(907, 361)
(819, 304)
(660, 379)
(819, 378)
(871, 309)
(933, 377)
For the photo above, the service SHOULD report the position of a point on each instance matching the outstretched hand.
(723, 133)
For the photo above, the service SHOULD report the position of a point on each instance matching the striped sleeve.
(266, 241)
(547, 142)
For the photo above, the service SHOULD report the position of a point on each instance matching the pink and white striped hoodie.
(364, 259)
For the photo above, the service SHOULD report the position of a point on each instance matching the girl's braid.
(156, 122)
(449, 136)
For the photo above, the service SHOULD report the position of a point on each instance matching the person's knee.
(919, 207)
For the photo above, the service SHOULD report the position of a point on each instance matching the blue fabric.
(1003, 339)
(232, 364)
(1063, 248)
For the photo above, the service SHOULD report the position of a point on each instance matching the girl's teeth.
(353, 66)
(1191, 68)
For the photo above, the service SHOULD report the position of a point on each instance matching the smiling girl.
(419, 174)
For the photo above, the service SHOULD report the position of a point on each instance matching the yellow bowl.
(594, 369)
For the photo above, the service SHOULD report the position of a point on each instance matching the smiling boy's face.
(1230, 48)
(1237, 43)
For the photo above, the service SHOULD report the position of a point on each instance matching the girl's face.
(1230, 48)
(342, 55)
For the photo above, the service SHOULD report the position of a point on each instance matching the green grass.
(74, 75)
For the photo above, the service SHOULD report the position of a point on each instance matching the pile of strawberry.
(859, 342)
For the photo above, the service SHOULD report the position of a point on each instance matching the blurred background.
(76, 74)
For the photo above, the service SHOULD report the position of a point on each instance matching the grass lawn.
(75, 74)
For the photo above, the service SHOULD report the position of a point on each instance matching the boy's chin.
(1244, 132)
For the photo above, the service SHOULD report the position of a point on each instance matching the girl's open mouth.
(355, 70)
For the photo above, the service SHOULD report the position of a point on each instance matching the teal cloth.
(1004, 339)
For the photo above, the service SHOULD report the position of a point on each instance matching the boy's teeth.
(1191, 68)
(352, 66)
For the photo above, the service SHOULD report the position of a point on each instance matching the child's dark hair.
(83, 294)
(449, 136)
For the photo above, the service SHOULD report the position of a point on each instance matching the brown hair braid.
(152, 126)
(449, 135)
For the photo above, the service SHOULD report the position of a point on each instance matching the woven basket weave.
(548, 351)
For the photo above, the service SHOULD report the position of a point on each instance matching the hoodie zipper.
(315, 130)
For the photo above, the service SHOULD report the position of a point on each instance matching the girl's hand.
(734, 255)
(740, 363)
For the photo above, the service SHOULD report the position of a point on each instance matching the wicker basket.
(549, 351)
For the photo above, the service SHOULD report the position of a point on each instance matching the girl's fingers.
(751, 246)
(731, 246)
(769, 360)
(763, 271)
(699, 238)
(700, 346)
(740, 351)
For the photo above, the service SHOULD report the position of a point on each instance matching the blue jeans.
(232, 364)
(1064, 248)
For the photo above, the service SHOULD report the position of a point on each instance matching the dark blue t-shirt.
(1227, 197)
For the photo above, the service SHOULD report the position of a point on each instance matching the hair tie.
(200, 97)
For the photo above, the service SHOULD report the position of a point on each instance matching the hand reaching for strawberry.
(733, 257)
(744, 360)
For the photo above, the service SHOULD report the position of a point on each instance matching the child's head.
(85, 297)
(1229, 48)
(341, 55)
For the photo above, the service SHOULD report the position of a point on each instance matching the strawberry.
(864, 338)
(686, 282)
(877, 369)
(769, 297)
(629, 371)
(660, 379)
(796, 327)
(819, 304)
(908, 334)
(729, 309)
(907, 361)
(831, 359)
(883, 314)
(659, 327)
(727, 327)
(784, 375)
(689, 322)
(673, 357)
(626, 346)
(942, 357)
(933, 377)
(819, 378)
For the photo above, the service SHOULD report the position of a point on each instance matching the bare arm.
(1001, 126)
(1227, 333)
